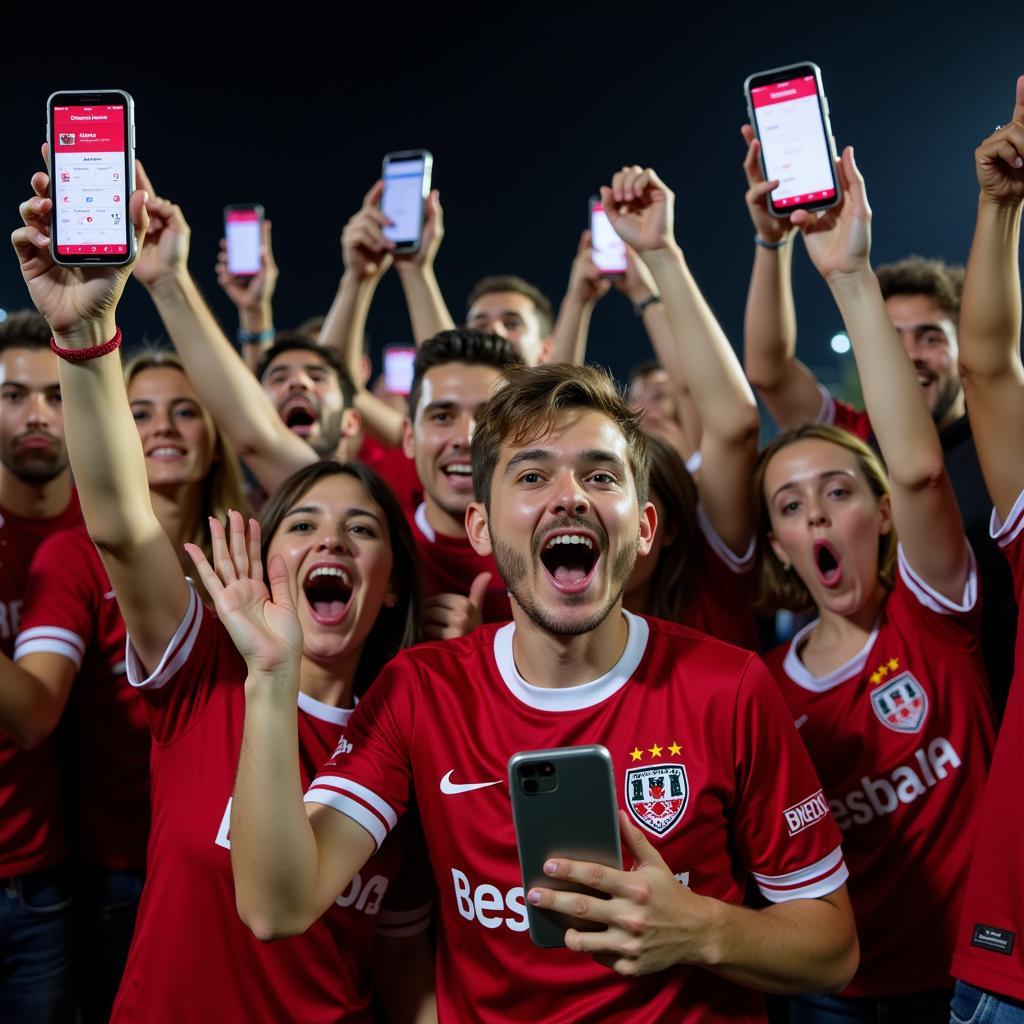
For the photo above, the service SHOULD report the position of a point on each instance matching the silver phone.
(563, 805)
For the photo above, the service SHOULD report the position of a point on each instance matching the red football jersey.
(990, 939)
(902, 736)
(192, 958)
(842, 414)
(31, 831)
(679, 712)
(448, 565)
(70, 610)
(396, 469)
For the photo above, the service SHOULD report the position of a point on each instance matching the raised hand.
(365, 251)
(430, 241)
(768, 227)
(263, 623)
(999, 160)
(636, 284)
(839, 239)
(586, 283)
(447, 616)
(640, 207)
(77, 302)
(165, 249)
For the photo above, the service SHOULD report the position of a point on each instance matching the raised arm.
(223, 382)
(641, 209)
(788, 389)
(924, 507)
(586, 286)
(990, 313)
(103, 443)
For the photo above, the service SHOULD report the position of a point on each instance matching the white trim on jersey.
(929, 597)
(420, 516)
(738, 563)
(803, 676)
(1005, 533)
(325, 712)
(50, 640)
(398, 924)
(356, 801)
(177, 653)
(809, 883)
(827, 412)
(571, 698)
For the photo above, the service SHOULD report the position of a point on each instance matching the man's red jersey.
(70, 610)
(448, 565)
(902, 736)
(990, 939)
(396, 469)
(838, 413)
(706, 761)
(31, 831)
(192, 959)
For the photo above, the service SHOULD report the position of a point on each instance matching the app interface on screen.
(609, 251)
(398, 367)
(242, 228)
(792, 134)
(403, 199)
(90, 193)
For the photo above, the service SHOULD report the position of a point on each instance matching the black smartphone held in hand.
(243, 232)
(406, 187)
(607, 250)
(563, 805)
(92, 176)
(789, 114)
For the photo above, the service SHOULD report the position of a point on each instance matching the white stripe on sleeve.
(812, 882)
(50, 640)
(178, 649)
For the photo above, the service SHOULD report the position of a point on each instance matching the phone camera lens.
(527, 769)
(547, 768)
(529, 785)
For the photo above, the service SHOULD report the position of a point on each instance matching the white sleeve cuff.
(827, 412)
(360, 804)
(1005, 533)
(931, 598)
(737, 563)
(399, 924)
(810, 883)
(50, 640)
(176, 654)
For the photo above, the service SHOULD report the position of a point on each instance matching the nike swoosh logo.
(449, 788)
(108, 595)
(802, 720)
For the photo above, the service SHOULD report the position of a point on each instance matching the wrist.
(273, 688)
(710, 949)
(852, 284)
(665, 256)
(170, 286)
(763, 241)
(641, 307)
(410, 268)
(87, 333)
(256, 320)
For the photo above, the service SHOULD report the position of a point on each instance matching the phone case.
(577, 818)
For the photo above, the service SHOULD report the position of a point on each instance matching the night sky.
(526, 117)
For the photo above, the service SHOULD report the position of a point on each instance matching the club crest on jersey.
(657, 796)
(901, 704)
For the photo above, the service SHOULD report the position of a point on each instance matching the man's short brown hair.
(915, 275)
(511, 283)
(528, 405)
(24, 328)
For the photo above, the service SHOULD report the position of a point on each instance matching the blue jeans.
(976, 1006)
(918, 1008)
(106, 902)
(36, 947)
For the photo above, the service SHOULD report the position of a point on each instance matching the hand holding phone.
(608, 250)
(768, 226)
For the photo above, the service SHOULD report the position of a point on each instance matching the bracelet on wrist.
(80, 355)
(758, 240)
(255, 337)
(640, 307)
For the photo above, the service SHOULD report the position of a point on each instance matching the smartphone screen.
(791, 125)
(402, 202)
(243, 231)
(90, 180)
(398, 364)
(609, 251)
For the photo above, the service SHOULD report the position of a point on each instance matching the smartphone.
(92, 176)
(406, 187)
(398, 366)
(789, 114)
(243, 231)
(607, 249)
(563, 805)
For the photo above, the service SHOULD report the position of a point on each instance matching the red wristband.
(79, 355)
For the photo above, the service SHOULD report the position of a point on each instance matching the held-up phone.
(406, 187)
(789, 114)
(92, 176)
(243, 232)
(398, 366)
(608, 251)
(563, 805)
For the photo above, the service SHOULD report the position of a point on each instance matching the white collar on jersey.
(572, 698)
(421, 521)
(325, 712)
(803, 676)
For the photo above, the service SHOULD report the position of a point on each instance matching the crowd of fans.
(271, 633)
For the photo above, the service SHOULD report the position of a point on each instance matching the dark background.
(526, 114)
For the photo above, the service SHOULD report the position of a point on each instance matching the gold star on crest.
(675, 750)
(655, 750)
(876, 678)
(894, 663)
(636, 753)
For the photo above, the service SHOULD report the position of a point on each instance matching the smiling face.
(307, 395)
(177, 435)
(32, 445)
(513, 317)
(564, 523)
(826, 522)
(335, 545)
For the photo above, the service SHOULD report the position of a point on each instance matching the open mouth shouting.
(827, 562)
(299, 414)
(569, 557)
(328, 589)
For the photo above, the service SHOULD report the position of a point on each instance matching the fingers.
(280, 592)
(585, 243)
(40, 182)
(222, 562)
(372, 198)
(255, 556)
(614, 882)
(638, 845)
(29, 243)
(747, 131)
(142, 179)
(752, 163)
(210, 579)
(139, 215)
(1018, 108)
(576, 904)
(854, 182)
(237, 544)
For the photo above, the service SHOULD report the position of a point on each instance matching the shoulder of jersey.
(73, 539)
(678, 634)
(436, 651)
